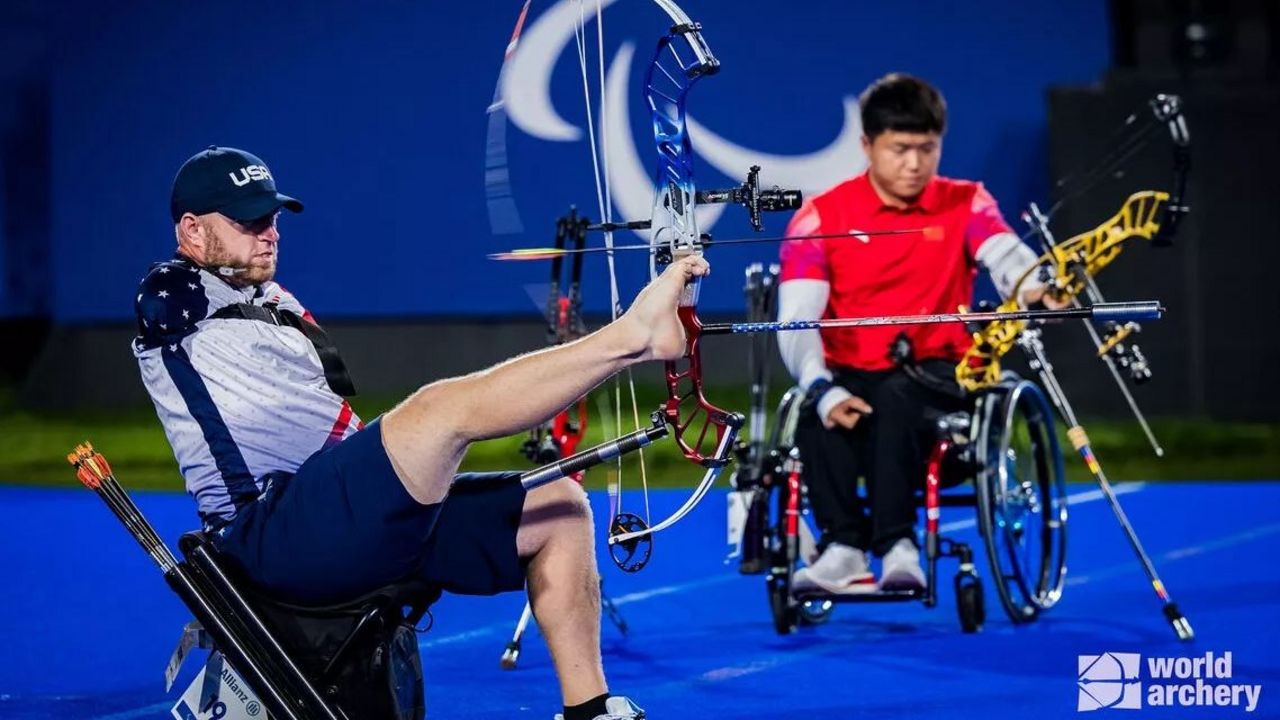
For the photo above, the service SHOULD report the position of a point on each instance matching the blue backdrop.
(375, 116)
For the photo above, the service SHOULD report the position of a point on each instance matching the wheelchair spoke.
(1024, 496)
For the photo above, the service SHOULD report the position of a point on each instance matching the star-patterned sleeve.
(169, 303)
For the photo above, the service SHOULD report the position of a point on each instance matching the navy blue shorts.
(344, 525)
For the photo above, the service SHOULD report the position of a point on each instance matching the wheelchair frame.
(977, 446)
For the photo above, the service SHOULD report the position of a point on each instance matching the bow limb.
(708, 479)
(704, 432)
(1073, 262)
(1161, 111)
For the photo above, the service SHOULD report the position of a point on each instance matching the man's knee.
(424, 460)
(560, 511)
(561, 501)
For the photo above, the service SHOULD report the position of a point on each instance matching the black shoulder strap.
(335, 370)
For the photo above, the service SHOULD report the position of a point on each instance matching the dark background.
(374, 114)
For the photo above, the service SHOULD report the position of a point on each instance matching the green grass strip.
(33, 447)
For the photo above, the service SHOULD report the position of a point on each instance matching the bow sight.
(750, 196)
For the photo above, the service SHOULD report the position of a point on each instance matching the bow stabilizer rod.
(1113, 312)
(597, 455)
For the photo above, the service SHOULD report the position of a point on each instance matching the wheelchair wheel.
(970, 604)
(785, 610)
(782, 554)
(1022, 504)
(815, 612)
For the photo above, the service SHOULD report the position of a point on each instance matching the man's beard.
(256, 272)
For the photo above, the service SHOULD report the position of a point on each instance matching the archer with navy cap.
(228, 181)
(317, 508)
(225, 202)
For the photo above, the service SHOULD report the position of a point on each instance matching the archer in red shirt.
(870, 413)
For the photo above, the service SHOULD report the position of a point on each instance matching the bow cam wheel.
(630, 555)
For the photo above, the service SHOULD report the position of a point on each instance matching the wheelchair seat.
(354, 659)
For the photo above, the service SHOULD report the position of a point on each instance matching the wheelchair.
(1007, 446)
(355, 659)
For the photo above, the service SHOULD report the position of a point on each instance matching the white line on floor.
(629, 598)
(1240, 538)
(1076, 499)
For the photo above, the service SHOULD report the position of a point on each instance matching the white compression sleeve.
(1006, 258)
(802, 349)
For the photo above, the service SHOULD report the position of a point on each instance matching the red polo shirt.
(931, 271)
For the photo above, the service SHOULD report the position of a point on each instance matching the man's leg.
(557, 539)
(833, 460)
(899, 459)
(427, 434)
(899, 442)
(831, 470)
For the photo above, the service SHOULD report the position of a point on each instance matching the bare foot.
(653, 314)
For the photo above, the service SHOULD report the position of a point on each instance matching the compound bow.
(1070, 265)
(1069, 269)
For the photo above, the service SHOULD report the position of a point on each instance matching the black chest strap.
(335, 370)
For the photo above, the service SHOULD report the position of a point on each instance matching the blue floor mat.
(88, 624)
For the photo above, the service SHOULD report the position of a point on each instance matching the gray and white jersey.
(239, 399)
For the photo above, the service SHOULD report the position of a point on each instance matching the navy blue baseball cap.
(229, 181)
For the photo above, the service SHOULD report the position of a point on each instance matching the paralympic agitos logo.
(525, 93)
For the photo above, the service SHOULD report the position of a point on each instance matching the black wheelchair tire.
(786, 613)
(971, 607)
(815, 612)
(1023, 594)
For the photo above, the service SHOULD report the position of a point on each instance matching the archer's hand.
(653, 315)
(1043, 296)
(847, 413)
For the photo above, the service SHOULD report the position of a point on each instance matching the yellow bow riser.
(1072, 261)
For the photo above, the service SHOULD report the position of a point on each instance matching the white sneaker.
(840, 570)
(901, 569)
(617, 708)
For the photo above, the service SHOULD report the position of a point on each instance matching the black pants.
(889, 448)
